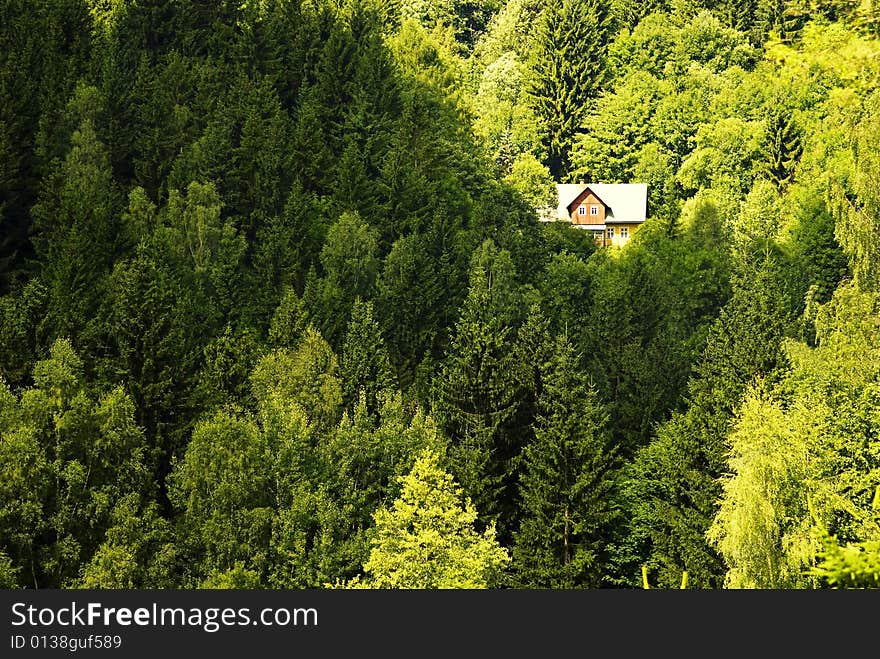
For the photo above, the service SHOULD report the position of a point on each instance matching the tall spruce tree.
(566, 483)
(784, 145)
(478, 388)
(568, 71)
(76, 233)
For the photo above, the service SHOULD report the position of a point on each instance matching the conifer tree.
(76, 233)
(568, 72)
(364, 368)
(410, 305)
(289, 322)
(478, 387)
(784, 146)
(566, 483)
(364, 460)
(672, 488)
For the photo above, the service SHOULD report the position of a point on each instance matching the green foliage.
(759, 526)
(477, 390)
(725, 156)
(68, 460)
(648, 311)
(608, 149)
(289, 322)
(566, 483)
(644, 47)
(20, 315)
(410, 304)
(709, 42)
(225, 492)
(784, 146)
(350, 262)
(532, 180)
(672, 488)
(505, 121)
(225, 374)
(365, 368)
(203, 205)
(139, 550)
(802, 460)
(816, 255)
(307, 375)
(857, 206)
(428, 539)
(364, 461)
(45, 49)
(568, 71)
(856, 565)
(467, 18)
(76, 233)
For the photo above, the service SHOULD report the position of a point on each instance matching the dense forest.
(277, 310)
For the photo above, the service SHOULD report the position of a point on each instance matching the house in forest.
(611, 211)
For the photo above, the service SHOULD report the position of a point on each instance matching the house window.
(582, 210)
(624, 232)
(594, 211)
(611, 232)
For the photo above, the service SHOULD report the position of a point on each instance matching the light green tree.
(857, 204)
(428, 539)
(67, 461)
(801, 463)
(307, 375)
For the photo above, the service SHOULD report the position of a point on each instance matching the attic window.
(594, 210)
(582, 210)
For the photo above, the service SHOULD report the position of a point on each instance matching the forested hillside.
(277, 309)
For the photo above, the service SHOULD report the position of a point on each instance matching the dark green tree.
(566, 484)
(44, 50)
(672, 488)
(784, 145)
(365, 368)
(77, 235)
(478, 388)
(568, 72)
(410, 305)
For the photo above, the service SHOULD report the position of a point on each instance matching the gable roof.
(624, 202)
